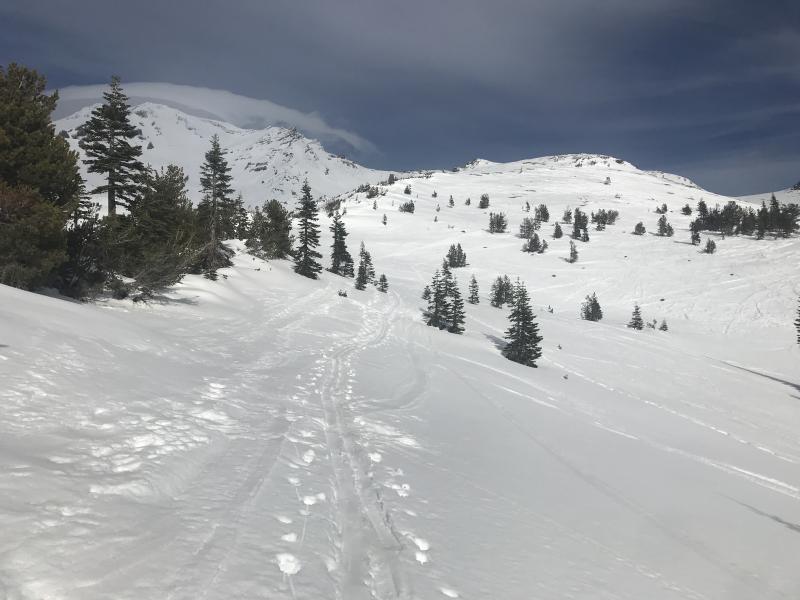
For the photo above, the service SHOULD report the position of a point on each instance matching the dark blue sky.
(709, 89)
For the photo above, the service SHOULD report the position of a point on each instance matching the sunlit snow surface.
(262, 437)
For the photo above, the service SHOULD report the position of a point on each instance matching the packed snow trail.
(262, 437)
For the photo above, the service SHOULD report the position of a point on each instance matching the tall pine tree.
(341, 261)
(107, 139)
(523, 335)
(215, 209)
(306, 255)
(474, 297)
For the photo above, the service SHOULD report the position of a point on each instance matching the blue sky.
(709, 89)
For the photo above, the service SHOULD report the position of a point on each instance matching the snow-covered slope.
(265, 163)
(262, 437)
(787, 196)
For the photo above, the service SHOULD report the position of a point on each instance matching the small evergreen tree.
(407, 190)
(639, 229)
(467, 202)
(523, 339)
(451, 203)
(636, 321)
(497, 222)
(585, 235)
(361, 275)
(687, 210)
(306, 255)
(384, 220)
(407, 207)
(456, 315)
(557, 233)
(567, 216)
(366, 260)
(541, 213)
(341, 261)
(590, 309)
(573, 252)
(106, 138)
(484, 201)
(663, 326)
(383, 284)
(474, 297)
(711, 246)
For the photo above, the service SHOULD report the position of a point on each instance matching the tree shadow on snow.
(166, 300)
(796, 386)
(788, 524)
(499, 343)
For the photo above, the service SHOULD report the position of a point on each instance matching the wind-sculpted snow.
(262, 437)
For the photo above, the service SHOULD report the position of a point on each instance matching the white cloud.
(218, 104)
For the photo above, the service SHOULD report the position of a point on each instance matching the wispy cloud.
(220, 104)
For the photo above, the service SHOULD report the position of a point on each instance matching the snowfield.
(262, 437)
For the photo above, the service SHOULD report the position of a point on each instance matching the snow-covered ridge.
(265, 163)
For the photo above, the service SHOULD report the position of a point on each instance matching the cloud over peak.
(239, 110)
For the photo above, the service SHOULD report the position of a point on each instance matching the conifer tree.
(215, 208)
(573, 252)
(384, 220)
(366, 259)
(639, 229)
(590, 309)
(636, 321)
(474, 297)
(426, 293)
(497, 293)
(383, 284)
(663, 326)
(107, 140)
(451, 203)
(523, 339)
(557, 233)
(306, 255)
(585, 235)
(437, 303)
(797, 322)
(687, 210)
(567, 216)
(456, 315)
(269, 233)
(361, 275)
(711, 246)
(31, 154)
(341, 261)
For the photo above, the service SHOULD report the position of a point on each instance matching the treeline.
(732, 219)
